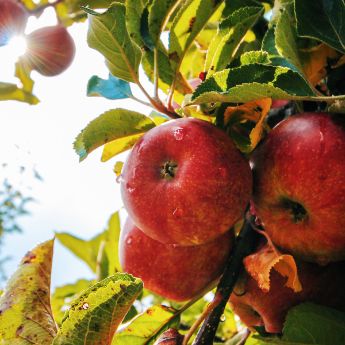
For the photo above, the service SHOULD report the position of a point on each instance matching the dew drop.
(129, 241)
(178, 212)
(178, 134)
(222, 318)
(85, 306)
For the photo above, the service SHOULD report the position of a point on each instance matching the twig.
(245, 244)
(140, 101)
(200, 319)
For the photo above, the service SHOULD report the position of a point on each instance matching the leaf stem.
(155, 73)
(245, 243)
(140, 101)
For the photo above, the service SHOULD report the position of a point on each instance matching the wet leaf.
(25, 313)
(94, 317)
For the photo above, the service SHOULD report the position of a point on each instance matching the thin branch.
(245, 244)
(140, 101)
(200, 319)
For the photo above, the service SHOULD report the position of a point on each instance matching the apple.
(170, 337)
(299, 186)
(13, 19)
(174, 272)
(50, 50)
(321, 285)
(279, 103)
(185, 182)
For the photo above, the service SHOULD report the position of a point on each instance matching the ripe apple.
(185, 182)
(279, 103)
(321, 285)
(299, 186)
(13, 19)
(50, 50)
(177, 273)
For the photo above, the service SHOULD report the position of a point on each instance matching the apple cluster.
(185, 184)
(299, 198)
(50, 50)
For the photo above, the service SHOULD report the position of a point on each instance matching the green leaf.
(313, 324)
(146, 327)
(134, 10)
(286, 37)
(322, 20)
(108, 34)
(112, 235)
(111, 88)
(60, 299)
(25, 312)
(112, 125)
(165, 72)
(189, 21)
(250, 82)
(100, 253)
(94, 317)
(87, 251)
(159, 12)
(9, 92)
(257, 56)
(229, 36)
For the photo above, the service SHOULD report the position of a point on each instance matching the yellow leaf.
(260, 264)
(315, 62)
(254, 111)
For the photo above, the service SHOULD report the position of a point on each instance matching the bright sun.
(16, 46)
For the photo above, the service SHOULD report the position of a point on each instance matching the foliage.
(247, 54)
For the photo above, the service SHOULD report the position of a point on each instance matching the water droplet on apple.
(223, 172)
(85, 306)
(178, 212)
(178, 134)
(222, 318)
(130, 189)
(129, 241)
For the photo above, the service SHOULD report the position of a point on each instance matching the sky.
(73, 197)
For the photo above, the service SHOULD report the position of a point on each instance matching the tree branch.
(245, 244)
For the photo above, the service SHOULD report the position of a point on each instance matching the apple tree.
(234, 181)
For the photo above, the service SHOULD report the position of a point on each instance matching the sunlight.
(16, 47)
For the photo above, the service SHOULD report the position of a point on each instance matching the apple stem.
(245, 243)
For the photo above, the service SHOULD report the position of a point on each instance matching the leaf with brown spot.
(25, 312)
(260, 264)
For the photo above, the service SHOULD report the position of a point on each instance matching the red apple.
(13, 19)
(322, 285)
(177, 273)
(299, 186)
(50, 50)
(185, 182)
(279, 103)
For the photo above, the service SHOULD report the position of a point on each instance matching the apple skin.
(174, 272)
(185, 182)
(299, 186)
(279, 103)
(321, 285)
(50, 50)
(13, 19)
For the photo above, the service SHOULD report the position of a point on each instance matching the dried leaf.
(260, 264)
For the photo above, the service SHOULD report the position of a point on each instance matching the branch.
(245, 243)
